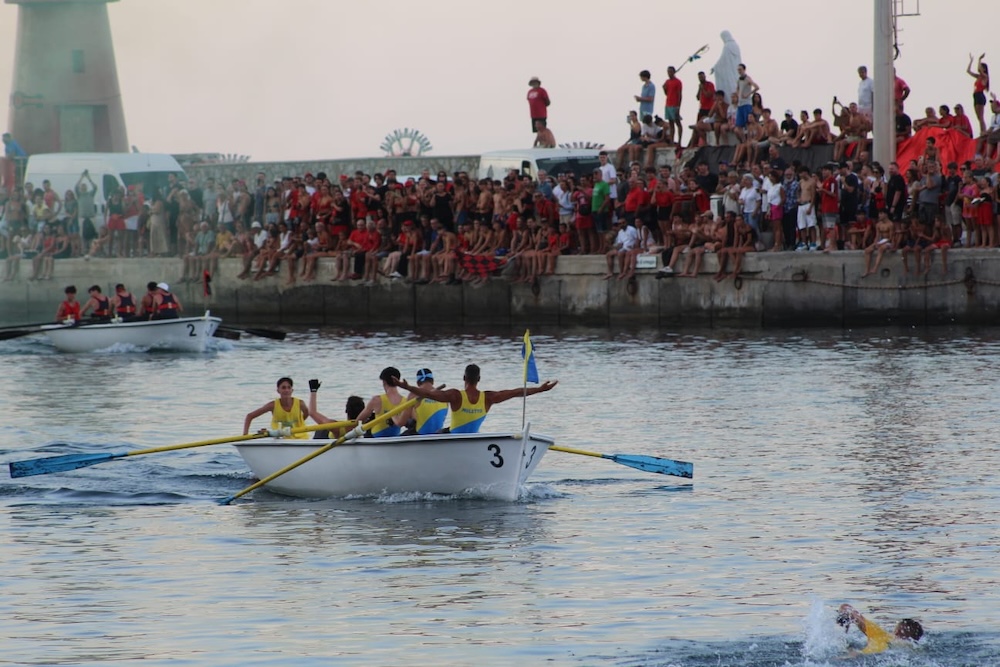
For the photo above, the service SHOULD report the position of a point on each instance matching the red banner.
(952, 145)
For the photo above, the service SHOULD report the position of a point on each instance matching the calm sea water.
(829, 467)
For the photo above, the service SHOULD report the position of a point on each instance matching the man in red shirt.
(900, 90)
(538, 102)
(829, 207)
(706, 96)
(672, 87)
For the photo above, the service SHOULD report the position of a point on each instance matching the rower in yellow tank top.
(286, 411)
(470, 414)
(427, 416)
(382, 403)
(291, 418)
(469, 406)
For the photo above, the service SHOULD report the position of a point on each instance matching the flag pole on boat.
(530, 372)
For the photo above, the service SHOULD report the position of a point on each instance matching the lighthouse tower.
(65, 95)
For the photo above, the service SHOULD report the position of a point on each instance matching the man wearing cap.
(427, 416)
(469, 406)
(789, 128)
(382, 403)
(538, 102)
(165, 305)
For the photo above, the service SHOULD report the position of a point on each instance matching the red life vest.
(126, 305)
(168, 303)
(71, 309)
(103, 307)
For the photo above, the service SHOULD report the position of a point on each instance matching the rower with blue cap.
(427, 416)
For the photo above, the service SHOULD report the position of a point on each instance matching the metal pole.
(884, 120)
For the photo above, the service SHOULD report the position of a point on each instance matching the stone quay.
(777, 289)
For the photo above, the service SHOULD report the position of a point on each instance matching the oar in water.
(26, 326)
(227, 334)
(17, 333)
(350, 435)
(639, 462)
(51, 464)
(7, 335)
(262, 333)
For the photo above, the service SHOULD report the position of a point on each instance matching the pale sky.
(303, 79)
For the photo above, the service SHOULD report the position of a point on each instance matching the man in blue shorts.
(745, 88)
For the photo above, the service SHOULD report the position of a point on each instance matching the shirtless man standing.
(807, 210)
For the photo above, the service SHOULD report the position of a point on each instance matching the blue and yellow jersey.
(469, 417)
(429, 416)
(384, 428)
(281, 418)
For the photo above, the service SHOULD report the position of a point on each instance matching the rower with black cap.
(470, 405)
(382, 403)
(427, 416)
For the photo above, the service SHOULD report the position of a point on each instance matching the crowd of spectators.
(452, 228)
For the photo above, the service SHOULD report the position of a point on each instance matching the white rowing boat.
(484, 465)
(185, 334)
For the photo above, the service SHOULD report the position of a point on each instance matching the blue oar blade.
(655, 464)
(63, 463)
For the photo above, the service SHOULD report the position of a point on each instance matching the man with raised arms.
(353, 408)
(468, 406)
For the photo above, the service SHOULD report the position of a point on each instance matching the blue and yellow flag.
(528, 355)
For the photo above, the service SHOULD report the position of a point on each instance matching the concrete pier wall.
(778, 289)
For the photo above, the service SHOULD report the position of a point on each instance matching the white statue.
(725, 68)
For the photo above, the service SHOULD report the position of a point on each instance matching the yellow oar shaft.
(570, 450)
(322, 450)
(237, 438)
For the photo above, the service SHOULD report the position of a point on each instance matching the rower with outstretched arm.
(468, 406)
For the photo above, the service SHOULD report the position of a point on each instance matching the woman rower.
(286, 411)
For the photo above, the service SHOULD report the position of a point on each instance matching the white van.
(526, 162)
(109, 172)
